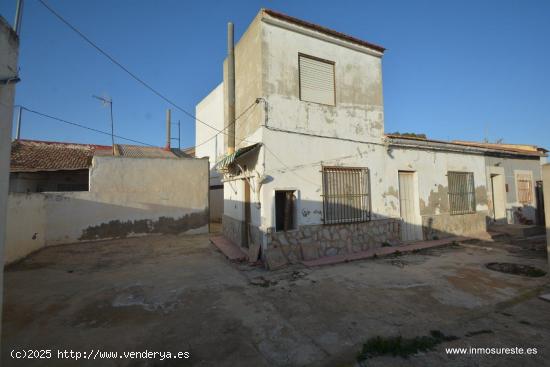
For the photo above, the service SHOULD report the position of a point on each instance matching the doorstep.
(383, 251)
(228, 248)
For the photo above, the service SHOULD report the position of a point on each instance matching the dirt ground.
(179, 294)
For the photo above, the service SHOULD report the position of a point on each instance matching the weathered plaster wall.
(358, 113)
(515, 211)
(248, 82)
(127, 197)
(305, 155)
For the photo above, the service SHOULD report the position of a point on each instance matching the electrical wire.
(146, 85)
(83, 126)
(124, 68)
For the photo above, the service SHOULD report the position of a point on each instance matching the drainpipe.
(230, 89)
(168, 128)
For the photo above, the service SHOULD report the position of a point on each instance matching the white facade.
(300, 137)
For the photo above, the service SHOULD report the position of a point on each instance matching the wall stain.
(437, 200)
(391, 192)
(164, 225)
(481, 195)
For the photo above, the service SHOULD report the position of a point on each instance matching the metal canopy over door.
(411, 229)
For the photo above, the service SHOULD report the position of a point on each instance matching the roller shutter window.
(316, 80)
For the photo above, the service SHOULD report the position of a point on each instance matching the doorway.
(411, 229)
(499, 198)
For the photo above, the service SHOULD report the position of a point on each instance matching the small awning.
(229, 159)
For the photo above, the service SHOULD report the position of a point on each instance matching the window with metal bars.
(462, 193)
(346, 197)
(525, 188)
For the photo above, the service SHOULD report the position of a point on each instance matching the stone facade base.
(446, 225)
(312, 242)
(234, 230)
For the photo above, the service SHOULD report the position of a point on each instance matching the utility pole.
(230, 89)
(110, 102)
(18, 131)
(168, 129)
(18, 17)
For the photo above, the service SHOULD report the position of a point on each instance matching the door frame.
(418, 232)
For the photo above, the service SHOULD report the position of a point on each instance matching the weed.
(398, 346)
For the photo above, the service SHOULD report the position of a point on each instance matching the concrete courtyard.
(179, 294)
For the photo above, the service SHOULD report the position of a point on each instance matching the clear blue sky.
(453, 69)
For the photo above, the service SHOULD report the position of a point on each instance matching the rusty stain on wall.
(164, 225)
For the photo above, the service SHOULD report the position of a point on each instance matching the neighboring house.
(313, 173)
(44, 166)
(38, 166)
(88, 194)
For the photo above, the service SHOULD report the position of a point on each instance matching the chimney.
(230, 89)
(168, 128)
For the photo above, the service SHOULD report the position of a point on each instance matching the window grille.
(346, 196)
(462, 196)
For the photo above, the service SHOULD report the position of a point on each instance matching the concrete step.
(228, 248)
(384, 251)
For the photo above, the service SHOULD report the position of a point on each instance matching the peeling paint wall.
(516, 212)
(358, 113)
(127, 197)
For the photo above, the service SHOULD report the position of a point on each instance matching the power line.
(141, 81)
(114, 61)
(225, 128)
(83, 126)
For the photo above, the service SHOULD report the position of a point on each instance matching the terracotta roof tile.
(32, 155)
(324, 30)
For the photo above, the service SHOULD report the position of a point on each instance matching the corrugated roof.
(138, 151)
(34, 155)
(322, 29)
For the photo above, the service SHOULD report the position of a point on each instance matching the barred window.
(525, 188)
(346, 195)
(462, 195)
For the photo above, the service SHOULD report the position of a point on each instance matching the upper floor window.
(316, 80)
(462, 192)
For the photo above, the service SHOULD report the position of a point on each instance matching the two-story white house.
(313, 174)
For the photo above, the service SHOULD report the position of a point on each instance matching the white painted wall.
(358, 113)
(305, 155)
(122, 192)
(210, 110)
